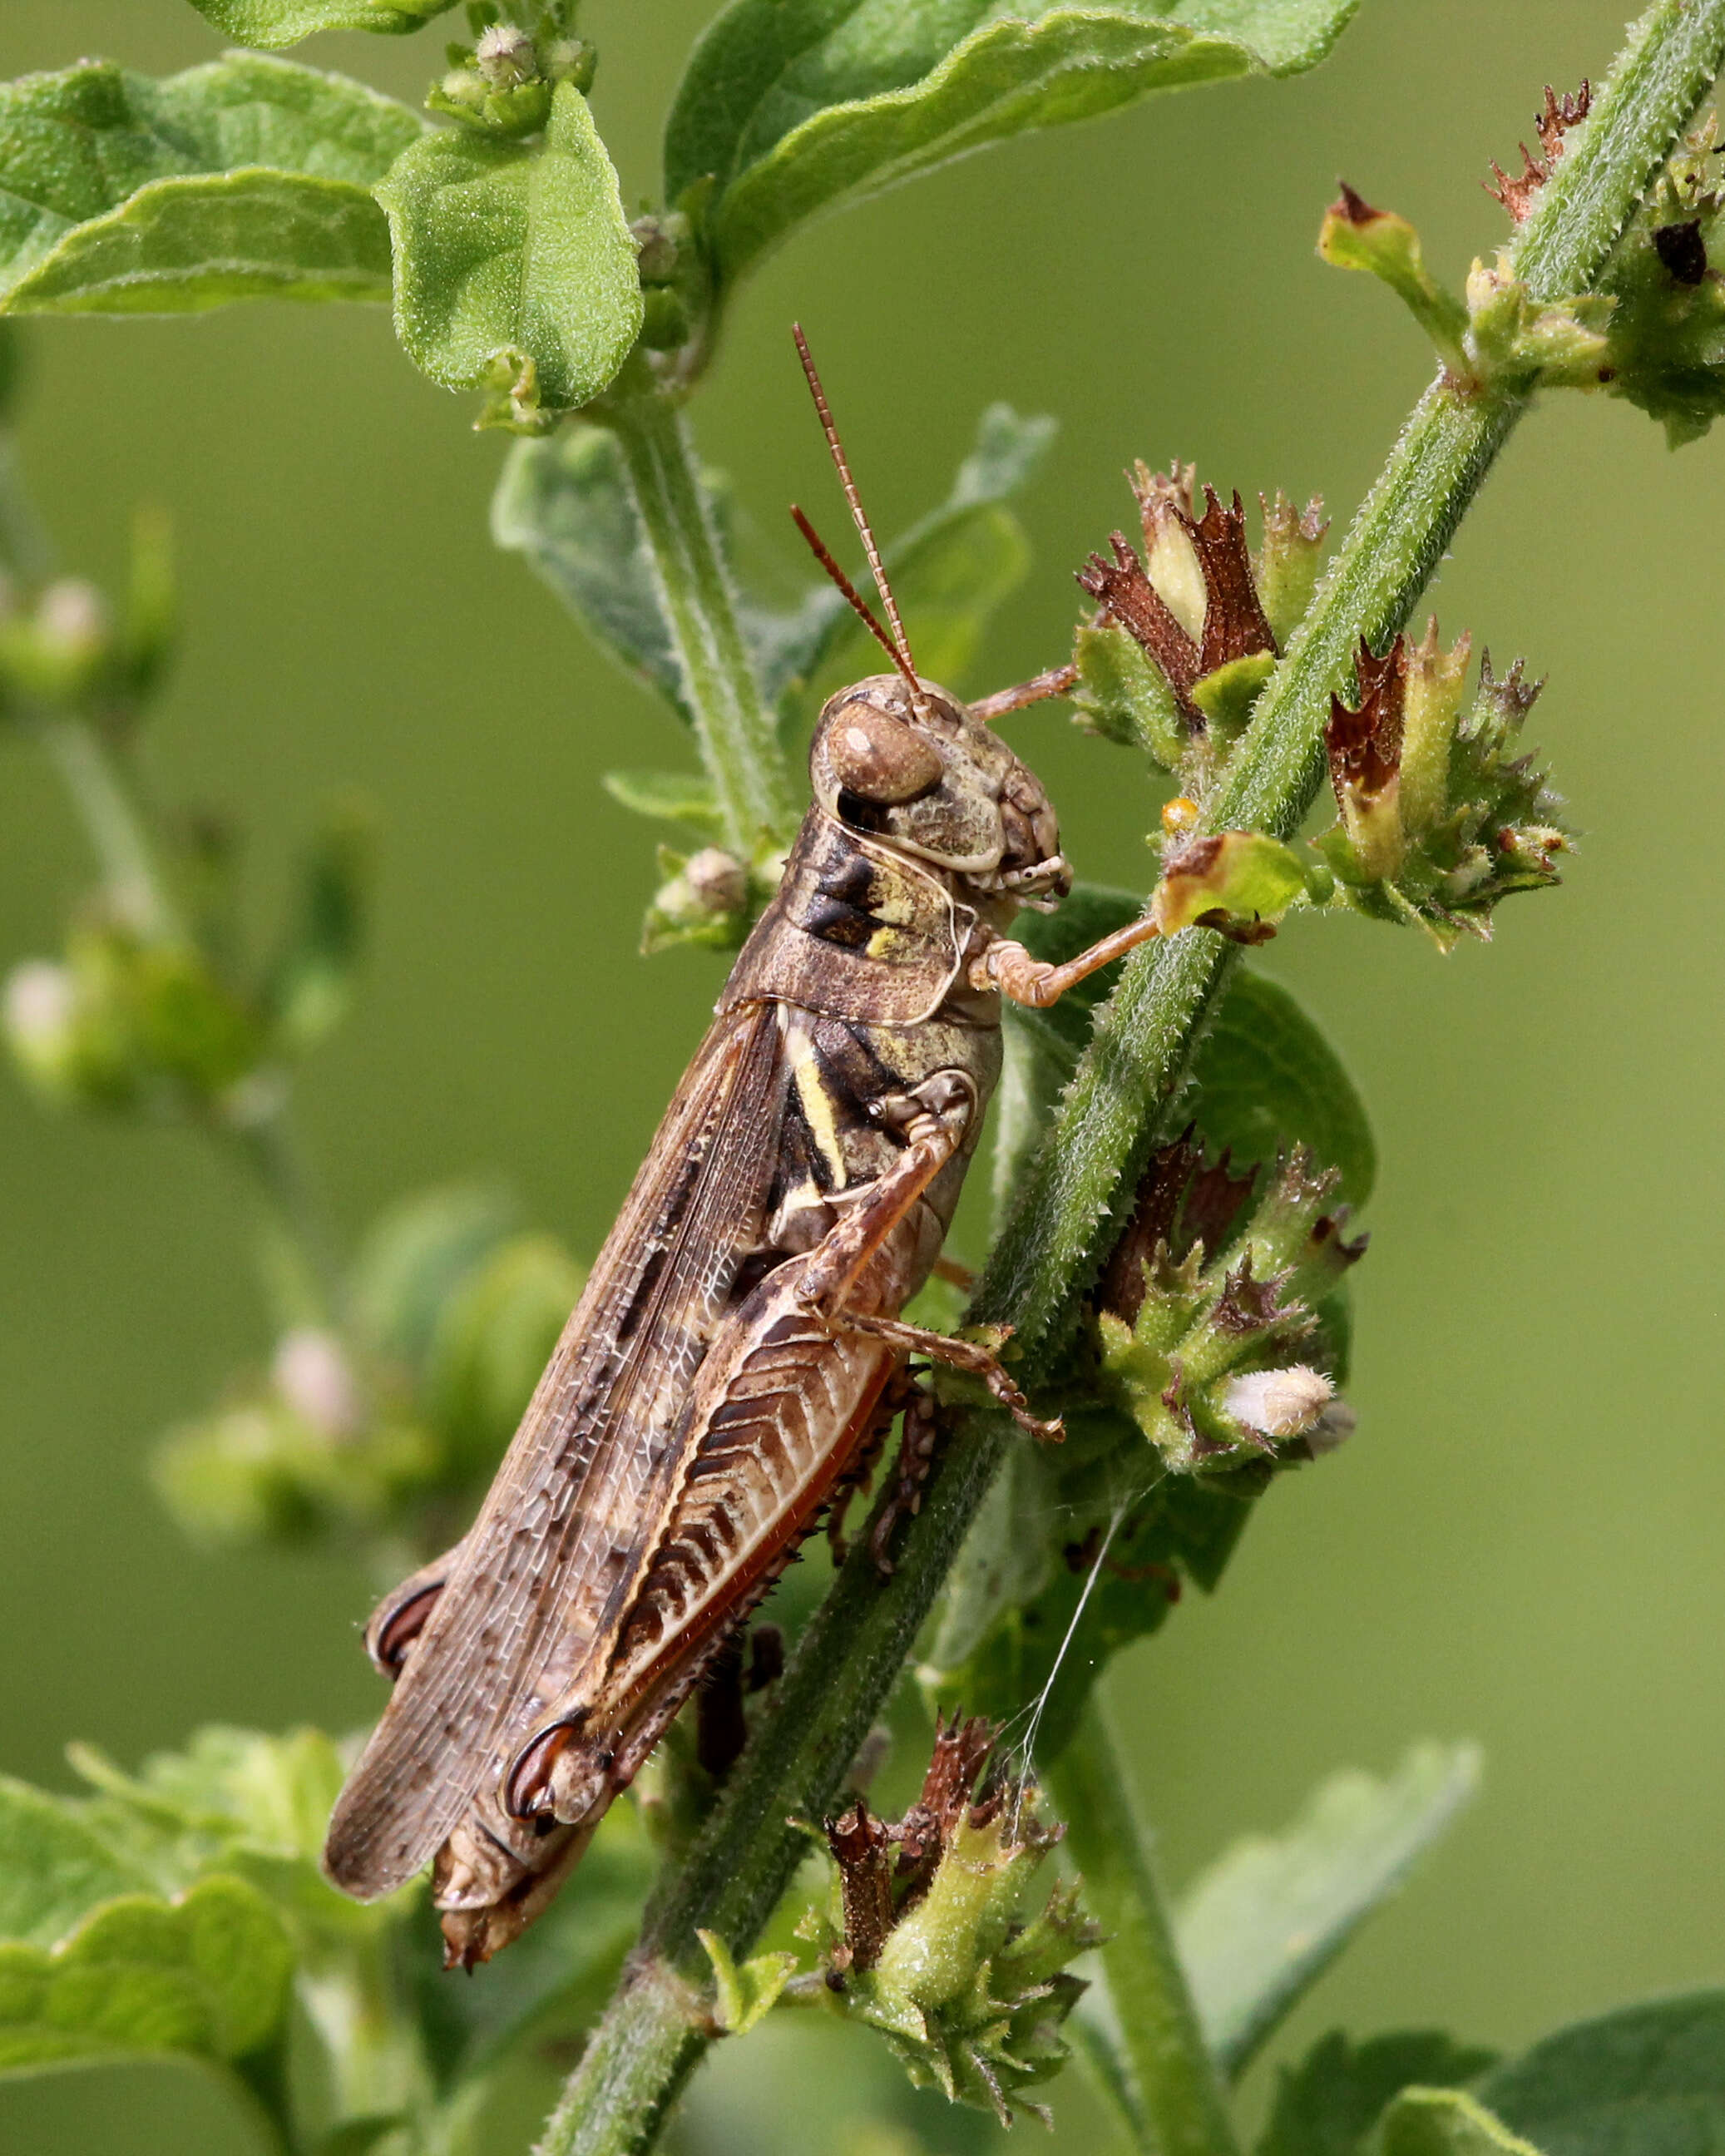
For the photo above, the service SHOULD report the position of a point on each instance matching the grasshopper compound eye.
(878, 757)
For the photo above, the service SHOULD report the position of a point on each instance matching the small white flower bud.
(506, 57)
(312, 1373)
(1279, 1403)
(41, 1000)
(462, 87)
(73, 615)
(717, 880)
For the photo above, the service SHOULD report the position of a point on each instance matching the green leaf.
(239, 1802)
(1258, 1928)
(54, 1866)
(1646, 2079)
(417, 1256)
(1431, 2121)
(273, 23)
(673, 797)
(1327, 2104)
(1265, 1078)
(514, 255)
(1246, 875)
(205, 1977)
(747, 1992)
(246, 178)
(949, 573)
(311, 985)
(797, 109)
(565, 505)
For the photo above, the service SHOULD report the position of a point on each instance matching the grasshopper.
(738, 1352)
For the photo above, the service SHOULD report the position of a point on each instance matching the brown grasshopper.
(738, 1348)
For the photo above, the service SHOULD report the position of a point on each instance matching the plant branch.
(1184, 2106)
(115, 825)
(733, 728)
(301, 1274)
(1126, 1086)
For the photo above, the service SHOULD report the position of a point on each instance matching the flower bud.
(506, 56)
(58, 653)
(573, 60)
(1356, 236)
(704, 901)
(1279, 1403)
(312, 1375)
(1206, 1299)
(931, 1940)
(41, 1022)
(1439, 822)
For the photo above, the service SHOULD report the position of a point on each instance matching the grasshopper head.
(932, 780)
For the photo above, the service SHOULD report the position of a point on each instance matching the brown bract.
(1364, 746)
(1182, 1205)
(875, 1891)
(1234, 625)
(1553, 122)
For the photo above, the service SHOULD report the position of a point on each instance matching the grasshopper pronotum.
(739, 1342)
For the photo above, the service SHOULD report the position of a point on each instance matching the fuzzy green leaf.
(514, 255)
(671, 797)
(54, 1866)
(246, 178)
(1258, 1928)
(274, 24)
(205, 1977)
(1327, 2104)
(1265, 1078)
(1646, 2079)
(797, 108)
(239, 1802)
(565, 503)
(1435, 2122)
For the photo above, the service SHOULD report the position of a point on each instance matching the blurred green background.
(1521, 1543)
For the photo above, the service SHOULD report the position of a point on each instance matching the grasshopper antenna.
(818, 547)
(900, 645)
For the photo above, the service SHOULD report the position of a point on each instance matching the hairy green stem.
(1178, 2088)
(733, 728)
(1126, 1084)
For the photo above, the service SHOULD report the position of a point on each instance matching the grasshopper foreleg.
(1023, 979)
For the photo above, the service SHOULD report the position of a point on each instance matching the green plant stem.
(1184, 2106)
(1126, 1084)
(115, 825)
(300, 1271)
(733, 728)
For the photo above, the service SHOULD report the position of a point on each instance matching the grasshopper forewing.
(738, 1342)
